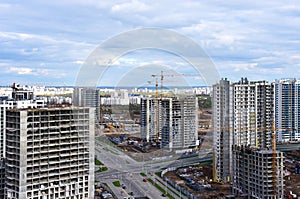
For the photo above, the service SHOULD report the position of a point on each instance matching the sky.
(46, 42)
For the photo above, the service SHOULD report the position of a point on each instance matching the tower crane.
(274, 160)
(161, 76)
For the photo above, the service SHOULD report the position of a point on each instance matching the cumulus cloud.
(26, 71)
(242, 38)
(244, 66)
(21, 71)
(132, 6)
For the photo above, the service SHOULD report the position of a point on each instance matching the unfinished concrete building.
(50, 153)
(174, 121)
(254, 173)
(21, 98)
(149, 126)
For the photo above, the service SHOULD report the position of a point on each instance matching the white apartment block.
(50, 153)
(253, 110)
(243, 114)
(174, 121)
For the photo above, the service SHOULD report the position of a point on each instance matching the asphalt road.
(127, 170)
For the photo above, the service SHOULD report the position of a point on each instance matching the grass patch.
(160, 189)
(102, 169)
(98, 162)
(158, 173)
(143, 174)
(117, 183)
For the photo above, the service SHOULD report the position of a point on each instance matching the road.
(127, 170)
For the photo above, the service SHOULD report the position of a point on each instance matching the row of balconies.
(56, 160)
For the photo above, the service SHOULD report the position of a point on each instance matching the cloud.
(26, 71)
(21, 71)
(5, 6)
(128, 7)
(244, 66)
(79, 62)
(236, 35)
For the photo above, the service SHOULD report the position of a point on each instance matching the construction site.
(197, 180)
(292, 174)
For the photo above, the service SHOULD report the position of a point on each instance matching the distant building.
(254, 173)
(287, 111)
(87, 97)
(174, 121)
(50, 153)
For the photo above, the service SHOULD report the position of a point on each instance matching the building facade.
(49, 153)
(287, 112)
(243, 115)
(19, 98)
(88, 97)
(253, 110)
(173, 121)
(223, 130)
(254, 173)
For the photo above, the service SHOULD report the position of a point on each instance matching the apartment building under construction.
(172, 121)
(20, 98)
(50, 153)
(243, 113)
(254, 175)
(243, 118)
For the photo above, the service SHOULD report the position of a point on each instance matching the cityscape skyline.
(150, 99)
(47, 42)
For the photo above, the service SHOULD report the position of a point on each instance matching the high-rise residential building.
(174, 121)
(149, 119)
(287, 110)
(223, 129)
(49, 153)
(20, 98)
(243, 115)
(87, 97)
(254, 173)
(253, 110)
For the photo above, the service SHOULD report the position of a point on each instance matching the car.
(145, 180)
(131, 193)
(123, 186)
(163, 195)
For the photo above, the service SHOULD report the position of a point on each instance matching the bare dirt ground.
(203, 175)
